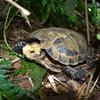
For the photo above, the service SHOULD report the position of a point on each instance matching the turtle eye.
(32, 51)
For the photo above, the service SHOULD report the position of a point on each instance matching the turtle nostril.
(32, 51)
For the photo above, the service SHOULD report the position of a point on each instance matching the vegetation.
(8, 89)
(45, 13)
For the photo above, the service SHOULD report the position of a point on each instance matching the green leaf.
(1, 97)
(3, 74)
(69, 6)
(16, 71)
(62, 8)
(13, 90)
(53, 6)
(97, 20)
(6, 85)
(74, 18)
(46, 12)
(23, 70)
(98, 12)
(98, 17)
(98, 36)
(24, 65)
(44, 2)
(37, 75)
(5, 64)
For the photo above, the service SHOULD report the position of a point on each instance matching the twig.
(90, 80)
(51, 79)
(23, 10)
(87, 22)
(97, 86)
(94, 83)
(81, 89)
(30, 81)
(83, 65)
(61, 82)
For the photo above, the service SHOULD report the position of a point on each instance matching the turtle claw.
(74, 74)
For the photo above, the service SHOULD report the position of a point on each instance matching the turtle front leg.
(47, 64)
(74, 74)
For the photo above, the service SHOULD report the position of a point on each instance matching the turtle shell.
(63, 45)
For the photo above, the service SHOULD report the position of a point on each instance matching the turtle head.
(33, 51)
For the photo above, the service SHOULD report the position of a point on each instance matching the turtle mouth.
(42, 55)
(34, 56)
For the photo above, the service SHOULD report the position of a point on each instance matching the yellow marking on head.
(32, 50)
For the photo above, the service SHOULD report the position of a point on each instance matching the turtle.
(55, 48)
